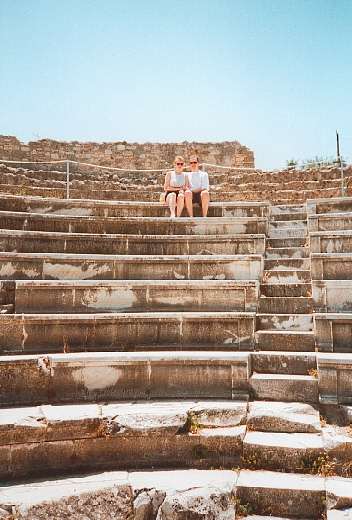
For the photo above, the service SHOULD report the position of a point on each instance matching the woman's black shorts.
(171, 191)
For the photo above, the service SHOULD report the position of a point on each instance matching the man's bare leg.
(189, 202)
(204, 196)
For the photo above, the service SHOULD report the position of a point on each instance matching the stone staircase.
(188, 369)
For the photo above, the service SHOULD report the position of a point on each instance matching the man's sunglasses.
(193, 162)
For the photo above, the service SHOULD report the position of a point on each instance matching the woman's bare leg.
(171, 202)
(204, 197)
(180, 204)
(189, 202)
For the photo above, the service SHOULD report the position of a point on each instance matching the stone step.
(289, 216)
(286, 232)
(110, 376)
(126, 331)
(283, 224)
(133, 225)
(281, 417)
(291, 452)
(287, 290)
(286, 252)
(88, 243)
(285, 305)
(287, 264)
(90, 437)
(59, 266)
(287, 276)
(105, 208)
(281, 494)
(121, 495)
(284, 387)
(285, 322)
(286, 340)
(135, 296)
(337, 241)
(281, 362)
(275, 243)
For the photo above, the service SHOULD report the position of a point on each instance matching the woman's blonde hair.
(179, 158)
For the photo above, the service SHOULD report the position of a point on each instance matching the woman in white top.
(198, 192)
(174, 186)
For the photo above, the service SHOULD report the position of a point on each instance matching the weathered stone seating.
(333, 332)
(331, 266)
(134, 225)
(330, 221)
(60, 266)
(335, 373)
(126, 331)
(331, 205)
(115, 208)
(331, 241)
(87, 243)
(133, 296)
(60, 378)
(126, 346)
(332, 295)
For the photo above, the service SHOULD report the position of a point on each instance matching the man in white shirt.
(198, 192)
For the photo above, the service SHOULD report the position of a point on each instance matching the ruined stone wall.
(123, 154)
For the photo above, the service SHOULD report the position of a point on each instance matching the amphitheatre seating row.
(126, 244)
(58, 266)
(101, 208)
(134, 225)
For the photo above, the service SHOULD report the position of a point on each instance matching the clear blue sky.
(274, 74)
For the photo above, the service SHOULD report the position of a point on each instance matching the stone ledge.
(332, 295)
(61, 266)
(331, 266)
(123, 331)
(333, 331)
(330, 221)
(113, 208)
(335, 371)
(134, 225)
(113, 376)
(338, 241)
(135, 296)
(89, 243)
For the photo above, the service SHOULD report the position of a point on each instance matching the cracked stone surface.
(270, 416)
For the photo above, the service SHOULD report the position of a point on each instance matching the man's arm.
(205, 181)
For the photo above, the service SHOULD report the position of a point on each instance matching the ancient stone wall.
(123, 154)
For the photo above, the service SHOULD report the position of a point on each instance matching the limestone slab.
(283, 417)
(128, 244)
(282, 451)
(123, 376)
(282, 494)
(57, 266)
(126, 331)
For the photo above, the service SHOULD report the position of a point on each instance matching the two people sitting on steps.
(186, 188)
